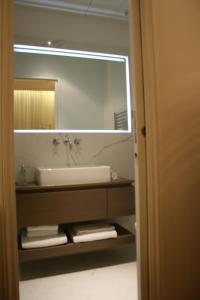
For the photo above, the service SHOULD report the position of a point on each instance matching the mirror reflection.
(61, 90)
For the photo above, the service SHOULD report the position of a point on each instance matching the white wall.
(115, 92)
(72, 31)
(116, 150)
(36, 26)
(35, 150)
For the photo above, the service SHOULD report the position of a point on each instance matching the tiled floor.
(92, 276)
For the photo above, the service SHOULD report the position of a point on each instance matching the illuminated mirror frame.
(80, 54)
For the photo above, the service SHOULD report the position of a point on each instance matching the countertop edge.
(33, 188)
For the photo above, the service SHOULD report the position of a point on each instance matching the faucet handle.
(55, 141)
(77, 141)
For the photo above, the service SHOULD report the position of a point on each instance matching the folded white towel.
(53, 240)
(93, 236)
(41, 233)
(42, 228)
(92, 228)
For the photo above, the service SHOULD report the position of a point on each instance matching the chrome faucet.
(68, 141)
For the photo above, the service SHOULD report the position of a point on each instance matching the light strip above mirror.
(80, 54)
(66, 52)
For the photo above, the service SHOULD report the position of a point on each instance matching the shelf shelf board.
(124, 237)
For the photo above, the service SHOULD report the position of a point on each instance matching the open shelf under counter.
(42, 205)
(124, 237)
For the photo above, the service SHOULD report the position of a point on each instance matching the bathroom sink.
(72, 175)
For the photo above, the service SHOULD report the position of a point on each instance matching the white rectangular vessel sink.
(73, 175)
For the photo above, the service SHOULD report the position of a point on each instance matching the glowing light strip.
(128, 96)
(71, 53)
(70, 131)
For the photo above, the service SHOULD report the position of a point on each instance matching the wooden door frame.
(139, 149)
(152, 167)
(9, 283)
(147, 169)
(143, 70)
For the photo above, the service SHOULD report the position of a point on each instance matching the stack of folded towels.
(92, 232)
(43, 236)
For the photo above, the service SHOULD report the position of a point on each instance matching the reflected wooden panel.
(34, 104)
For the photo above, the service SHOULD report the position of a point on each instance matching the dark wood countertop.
(34, 188)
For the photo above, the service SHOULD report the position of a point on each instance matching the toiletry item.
(114, 175)
(22, 174)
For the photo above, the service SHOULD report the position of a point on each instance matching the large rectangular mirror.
(58, 90)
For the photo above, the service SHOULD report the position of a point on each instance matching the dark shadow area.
(77, 262)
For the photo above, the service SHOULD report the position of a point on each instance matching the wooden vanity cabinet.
(57, 207)
(120, 201)
(42, 205)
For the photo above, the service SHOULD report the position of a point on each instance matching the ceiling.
(109, 8)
